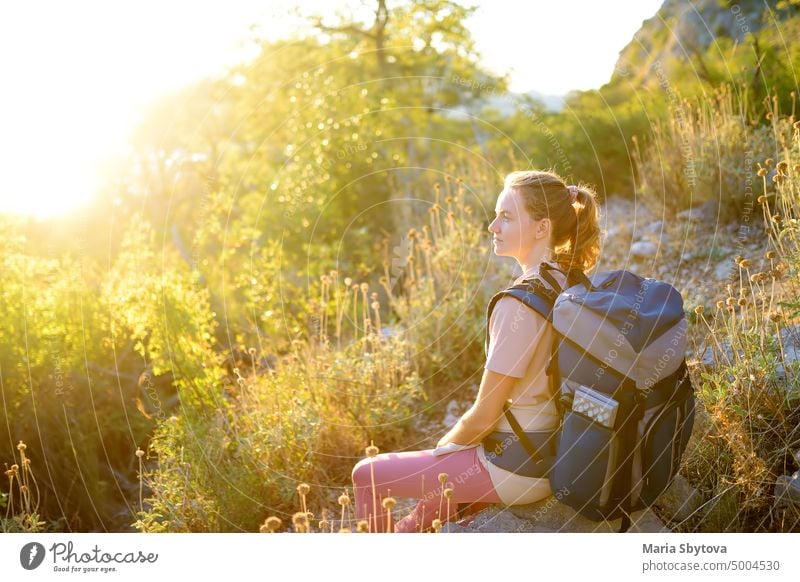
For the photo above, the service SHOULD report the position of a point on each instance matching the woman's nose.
(491, 227)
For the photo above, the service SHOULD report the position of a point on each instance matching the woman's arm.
(481, 418)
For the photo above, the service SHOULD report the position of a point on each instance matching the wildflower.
(372, 451)
(362, 526)
(771, 254)
(783, 167)
(344, 500)
(389, 503)
(762, 172)
(448, 492)
(768, 162)
(776, 316)
(273, 523)
(738, 259)
(364, 287)
(21, 446)
(437, 525)
(348, 281)
(300, 518)
(720, 304)
(744, 263)
(730, 301)
(699, 310)
(762, 199)
(251, 351)
(139, 453)
(303, 488)
(324, 524)
(779, 178)
(742, 302)
(442, 478)
(375, 305)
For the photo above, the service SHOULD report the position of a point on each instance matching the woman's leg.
(416, 474)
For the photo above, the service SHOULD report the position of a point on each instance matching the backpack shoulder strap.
(533, 293)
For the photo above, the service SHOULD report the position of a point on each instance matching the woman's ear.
(542, 228)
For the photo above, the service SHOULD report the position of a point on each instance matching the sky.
(78, 74)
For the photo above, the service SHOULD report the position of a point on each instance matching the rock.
(452, 414)
(787, 491)
(456, 528)
(644, 249)
(704, 213)
(679, 501)
(654, 227)
(550, 516)
(724, 270)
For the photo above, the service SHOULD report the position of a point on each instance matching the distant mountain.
(508, 104)
(682, 28)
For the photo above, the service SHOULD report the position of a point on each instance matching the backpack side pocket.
(585, 463)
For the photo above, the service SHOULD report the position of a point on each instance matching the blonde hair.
(575, 234)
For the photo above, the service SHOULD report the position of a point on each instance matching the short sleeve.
(514, 333)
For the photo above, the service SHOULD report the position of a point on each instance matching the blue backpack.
(618, 375)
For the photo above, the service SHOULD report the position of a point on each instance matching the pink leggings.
(416, 474)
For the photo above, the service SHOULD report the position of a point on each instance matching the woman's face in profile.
(512, 229)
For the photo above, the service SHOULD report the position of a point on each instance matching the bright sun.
(78, 75)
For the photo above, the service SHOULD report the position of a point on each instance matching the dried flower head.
(699, 310)
(139, 453)
(345, 530)
(21, 446)
(771, 254)
(783, 167)
(364, 287)
(442, 478)
(720, 304)
(389, 503)
(744, 263)
(762, 172)
(742, 302)
(448, 492)
(436, 524)
(303, 488)
(324, 524)
(372, 451)
(300, 518)
(768, 162)
(344, 499)
(362, 526)
(348, 281)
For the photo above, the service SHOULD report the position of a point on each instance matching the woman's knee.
(361, 471)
